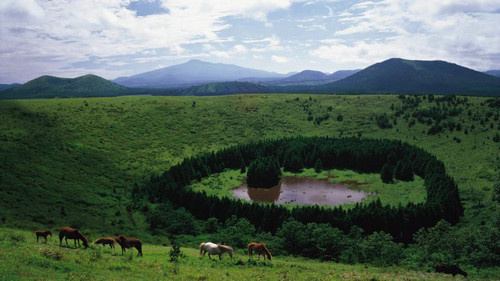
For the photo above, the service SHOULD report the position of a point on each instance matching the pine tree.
(264, 172)
(387, 172)
(318, 166)
(403, 171)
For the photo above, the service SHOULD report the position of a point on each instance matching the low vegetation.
(75, 162)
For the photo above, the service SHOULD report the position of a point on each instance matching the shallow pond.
(296, 190)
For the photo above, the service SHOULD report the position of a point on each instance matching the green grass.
(85, 155)
(74, 162)
(25, 259)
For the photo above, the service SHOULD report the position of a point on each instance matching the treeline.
(362, 155)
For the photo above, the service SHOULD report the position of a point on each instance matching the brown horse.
(43, 233)
(125, 243)
(449, 269)
(72, 233)
(106, 241)
(259, 248)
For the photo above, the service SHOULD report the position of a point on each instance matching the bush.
(236, 233)
(383, 122)
(173, 221)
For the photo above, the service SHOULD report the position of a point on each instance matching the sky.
(113, 38)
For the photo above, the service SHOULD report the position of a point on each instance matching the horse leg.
(45, 239)
(37, 238)
(66, 238)
(220, 256)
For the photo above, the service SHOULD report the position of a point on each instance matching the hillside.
(74, 161)
(495, 73)
(407, 76)
(49, 87)
(341, 74)
(193, 72)
(305, 76)
(98, 263)
(4, 87)
(221, 88)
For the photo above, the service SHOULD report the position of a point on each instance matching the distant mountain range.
(495, 73)
(393, 76)
(4, 87)
(49, 87)
(194, 72)
(413, 76)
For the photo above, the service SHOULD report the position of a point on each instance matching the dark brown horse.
(43, 233)
(72, 233)
(449, 269)
(106, 241)
(259, 248)
(125, 243)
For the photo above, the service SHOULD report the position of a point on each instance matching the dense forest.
(362, 155)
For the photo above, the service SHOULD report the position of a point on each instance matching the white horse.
(215, 249)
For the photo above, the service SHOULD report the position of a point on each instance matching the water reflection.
(295, 190)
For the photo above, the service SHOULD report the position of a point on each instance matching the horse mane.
(268, 254)
(225, 248)
(82, 237)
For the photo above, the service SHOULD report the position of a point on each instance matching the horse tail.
(201, 248)
(268, 254)
(250, 247)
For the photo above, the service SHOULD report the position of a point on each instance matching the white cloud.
(467, 33)
(72, 31)
(279, 59)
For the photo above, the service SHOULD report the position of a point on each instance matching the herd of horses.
(208, 247)
(75, 234)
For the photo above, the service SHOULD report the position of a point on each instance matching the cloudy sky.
(113, 38)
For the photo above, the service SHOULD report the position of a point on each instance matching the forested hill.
(50, 86)
(412, 76)
(221, 88)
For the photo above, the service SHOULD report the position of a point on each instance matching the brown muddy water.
(295, 190)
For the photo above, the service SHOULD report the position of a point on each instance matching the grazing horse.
(72, 233)
(259, 248)
(106, 241)
(43, 233)
(215, 249)
(125, 243)
(449, 269)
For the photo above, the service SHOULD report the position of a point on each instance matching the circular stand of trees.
(264, 172)
(359, 154)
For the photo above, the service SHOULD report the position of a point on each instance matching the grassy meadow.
(25, 259)
(74, 162)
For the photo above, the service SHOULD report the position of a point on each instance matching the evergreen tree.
(264, 172)
(318, 166)
(387, 172)
(293, 161)
(403, 171)
(243, 168)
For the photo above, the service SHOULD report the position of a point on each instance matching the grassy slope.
(84, 155)
(25, 259)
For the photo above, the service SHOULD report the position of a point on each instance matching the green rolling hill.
(399, 76)
(50, 87)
